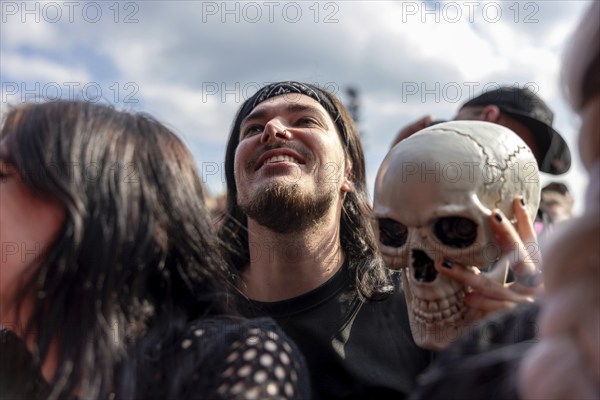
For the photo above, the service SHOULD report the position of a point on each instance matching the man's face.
(289, 165)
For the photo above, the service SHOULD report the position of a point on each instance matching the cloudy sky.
(192, 63)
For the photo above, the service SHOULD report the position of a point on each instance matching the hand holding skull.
(437, 197)
(488, 293)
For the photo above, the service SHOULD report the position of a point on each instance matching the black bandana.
(279, 88)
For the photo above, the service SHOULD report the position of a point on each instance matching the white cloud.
(17, 34)
(177, 53)
(36, 68)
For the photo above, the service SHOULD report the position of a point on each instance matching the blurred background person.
(565, 362)
(523, 112)
(556, 206)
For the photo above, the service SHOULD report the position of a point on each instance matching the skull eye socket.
(392, 233)
(456, 232)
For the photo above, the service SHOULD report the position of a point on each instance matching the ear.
(348, 183)
(491, 113)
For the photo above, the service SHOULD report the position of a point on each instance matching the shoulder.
(388, 311)
(229, 357)
(492, 349)
(20, 376)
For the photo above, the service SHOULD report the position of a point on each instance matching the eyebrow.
(292, 108)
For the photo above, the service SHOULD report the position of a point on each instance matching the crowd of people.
(119, 281)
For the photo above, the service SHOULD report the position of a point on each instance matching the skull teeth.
(449, 309)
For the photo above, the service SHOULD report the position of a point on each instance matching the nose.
(274, 129)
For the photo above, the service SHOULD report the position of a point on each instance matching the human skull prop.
(433, 194)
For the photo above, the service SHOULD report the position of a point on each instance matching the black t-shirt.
(484, 363)
(354, 350)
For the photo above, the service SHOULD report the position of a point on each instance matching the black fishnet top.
(220, 358)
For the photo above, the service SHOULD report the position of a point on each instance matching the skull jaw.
(436, 327)
(434, 336)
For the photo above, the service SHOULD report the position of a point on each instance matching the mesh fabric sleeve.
(241, 359)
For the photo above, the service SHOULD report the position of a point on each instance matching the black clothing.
(483, 364)
(19, 377)
(210, 359)
(354, 349)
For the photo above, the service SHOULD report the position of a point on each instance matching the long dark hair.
(356, 234)
(135, 250)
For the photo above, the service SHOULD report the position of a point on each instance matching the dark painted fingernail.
(523, 202)
(498, 217)
(447, 264)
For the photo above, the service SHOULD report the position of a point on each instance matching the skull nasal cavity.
(423, 267)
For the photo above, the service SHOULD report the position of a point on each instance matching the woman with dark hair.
(111, 282)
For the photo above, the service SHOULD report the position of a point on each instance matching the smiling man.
(298, 232)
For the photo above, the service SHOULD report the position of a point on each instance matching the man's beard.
(284, 208)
